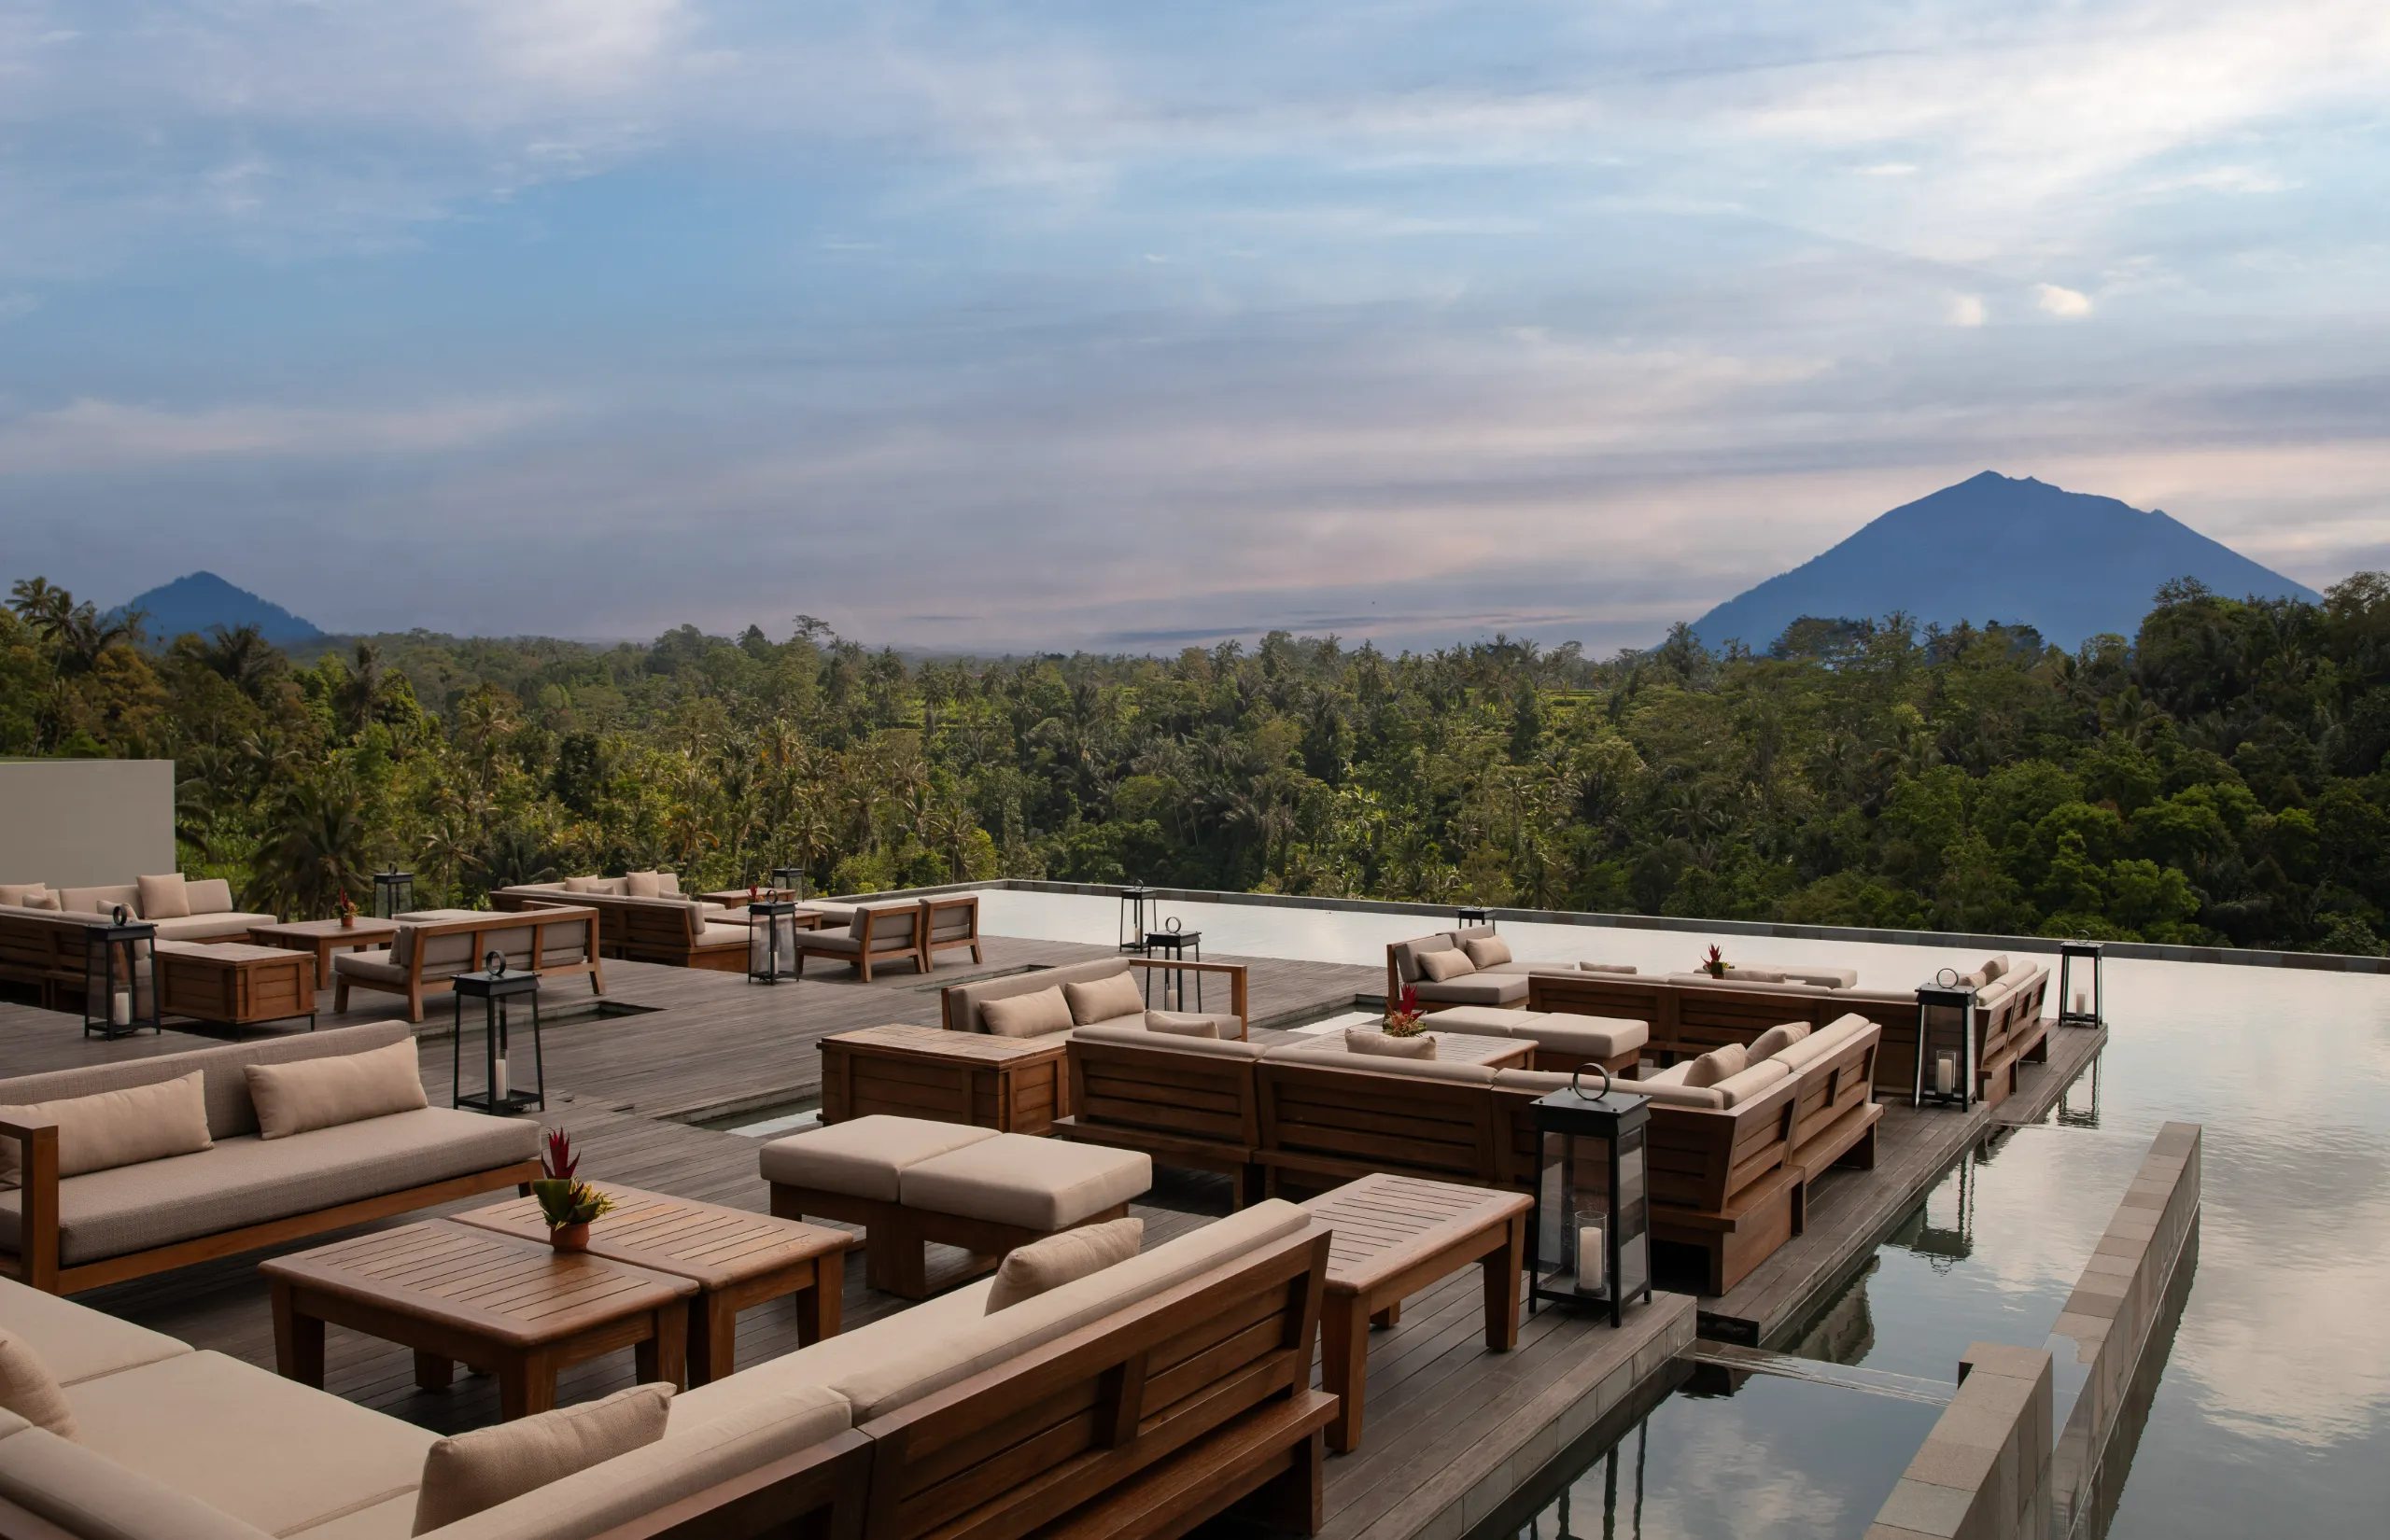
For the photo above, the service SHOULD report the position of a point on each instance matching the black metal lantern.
(771, 940)
(789, 880)
(1139, 913)
(119, 976)
(499, 991)
(1593, 1208)
(1945, 1042)
(393, 893)
(1469, 917)
(2075, 1008)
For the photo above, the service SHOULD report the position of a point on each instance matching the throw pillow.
(324, 1093)
(643, 884)
(1104, 999)
(1994, 967)
(1181, 1024)
(1027, 1015)
(163, 898)
(480, 1469)
(29, 1389)
(126, 1128)
(1756, 976)
(1451, 963)
(1030, 1271)
(667, 885)
(43, 900)
(1774, 1041)
(584, 885)
(1486, 951)
(1717, 1065)
(22, 894)
(1361, 1040)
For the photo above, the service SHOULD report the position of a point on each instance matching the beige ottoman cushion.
(864, 1157)
(1595, 1037)
(1037, 1183)
(1487, 1020)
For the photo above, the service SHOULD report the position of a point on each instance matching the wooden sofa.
(1184, 1101)
(43, 950)
(1138, 1401)
(1499, 983)
(1690, 1014)
(65, 1234)
(960, 1003)
(877, 934)
(435, 946)
(663, 928)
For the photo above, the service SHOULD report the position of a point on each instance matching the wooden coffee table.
(1013, 1084)
(734, 1257)
(1396, 1236)
(454, 1292)
(234, 984)
(325, 937)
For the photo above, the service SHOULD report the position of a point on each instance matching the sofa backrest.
(1702, 1157)
(230, 1112)
(961, 1002)
(100, 901)
(888, 925)
(1197, 1088)
(1403, 956)
(952, 919)
(1414, 1116)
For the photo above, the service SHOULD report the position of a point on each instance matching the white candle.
(1946, 1073)
(500, 1082)
(2082, 1002)
(121, 1008)
(1592, 1257)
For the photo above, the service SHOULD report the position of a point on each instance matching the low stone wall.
(2115, 1305)
(1984, 1472)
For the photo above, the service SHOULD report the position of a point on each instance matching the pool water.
(2272, 1413)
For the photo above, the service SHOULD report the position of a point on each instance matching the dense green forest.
(2217, 777)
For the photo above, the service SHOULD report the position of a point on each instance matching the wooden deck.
(1850, 1212)
(1454, 1429)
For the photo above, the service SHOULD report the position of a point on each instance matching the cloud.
(1967, 310)
(2061, 302)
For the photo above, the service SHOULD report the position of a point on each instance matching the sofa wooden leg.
(896, 1261)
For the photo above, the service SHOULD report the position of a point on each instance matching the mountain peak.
(199, 601)
(2071, 564)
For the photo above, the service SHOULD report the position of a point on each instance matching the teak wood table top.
(325, 937)
(937, 1043)
(713, 1247)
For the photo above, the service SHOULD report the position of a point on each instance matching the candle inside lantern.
(121, 1008)
(499, 1082)
(1592, 1258)
(2082, 1002)
(1946, 1073)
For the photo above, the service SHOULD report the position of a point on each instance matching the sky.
(1127, 326)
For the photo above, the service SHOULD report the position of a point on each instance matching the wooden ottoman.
(910, 1181)
(235, 983)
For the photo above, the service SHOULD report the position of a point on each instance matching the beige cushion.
(199, 926)
(28, 1389)
(1591, 1037)
(695, 1453)
(101, 900)
(75, 1342)
(1034, 1016)
(267, 1451)
(1756, 975)
(1606, 967)
(1475, 988)
(324, 1093)
(1097, 1000)
(123, 1128)
(209, 896)
(87, 1496)
(1182, 1024)
(246, 1180)
(1037, 1183)
(1673, 1075)
(642, 885)
(42, 901)
(584, 885)
(28, 895)
(667, 885)
(1138, 1035)
(229, 1111)
(1824, 978)
(480, 1469)
(1361, 1040)
(1994, 967)
(163, 897)
(1442, 967)
(1028, 1271)
(1488, 1020)
(1775, 1040)
(864, 1156)
(1676, 1093)
(1759, 1077)
(1717, 1065)
(1823, 1044)
(1485, 951)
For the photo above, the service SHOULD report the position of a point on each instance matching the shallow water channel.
(2271, 1408)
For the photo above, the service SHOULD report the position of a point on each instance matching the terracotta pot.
(570, 1238)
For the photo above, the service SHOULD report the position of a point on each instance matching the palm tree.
(319, 853)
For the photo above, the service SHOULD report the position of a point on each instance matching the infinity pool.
(2272, 1411)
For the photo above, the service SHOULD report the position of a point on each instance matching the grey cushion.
(1487, 1020)
(229, 1111)
(201, 926)
(247, 1180)
(1595, 1036)
(1476, 990)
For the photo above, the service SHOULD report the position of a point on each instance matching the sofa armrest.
(37, 1204)
(1235, 972)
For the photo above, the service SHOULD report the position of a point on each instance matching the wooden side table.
(735, 1258)
(324, 938)
(1396, 1236)
(1012, 1084)
(454, 1292)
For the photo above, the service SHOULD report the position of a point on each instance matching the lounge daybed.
(1102, 1003)
(1691, 1014)
(1470, 967)
(945, 1419)
(643, 917)
(106, 1196)
(435, 946)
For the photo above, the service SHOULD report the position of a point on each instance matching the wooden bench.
(1719, 1180)
(1834, 1114)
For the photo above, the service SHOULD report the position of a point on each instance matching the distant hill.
(1991, 548)
(204, 601)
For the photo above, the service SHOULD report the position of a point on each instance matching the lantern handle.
(1606, 1083)
(1948, 978)
(493, 963)
(118, 915)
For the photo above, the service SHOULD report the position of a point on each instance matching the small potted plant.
(568, 1205)
(1403, 1018)
(1715, 964)
(347, 911)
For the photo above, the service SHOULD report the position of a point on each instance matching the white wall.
(79, 823)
